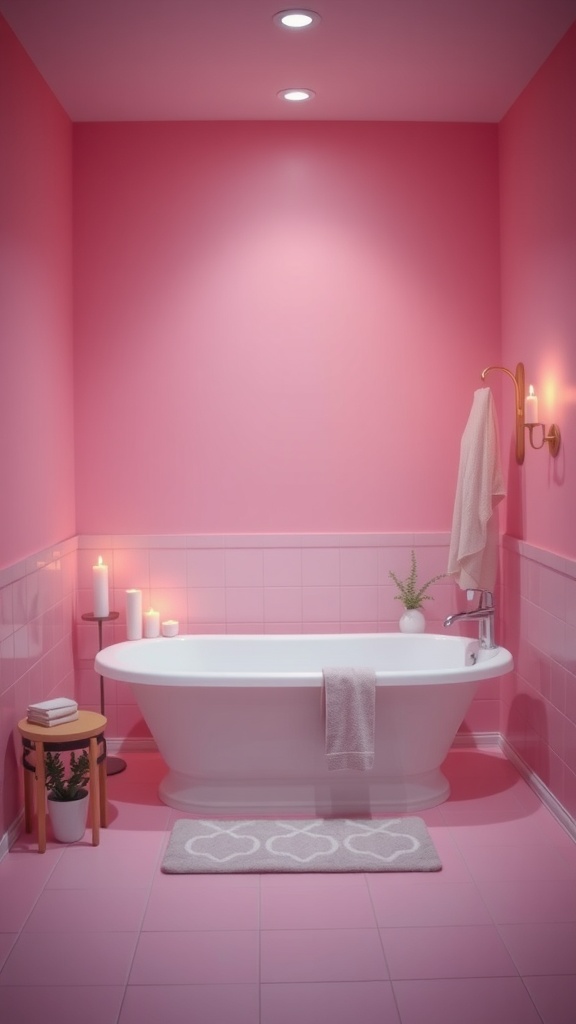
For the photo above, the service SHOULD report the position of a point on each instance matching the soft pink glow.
(282, 317)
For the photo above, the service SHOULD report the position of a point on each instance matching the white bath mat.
(329, 844)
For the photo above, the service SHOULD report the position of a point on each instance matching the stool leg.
(28, 799)
(94, 790)
(41, 796)
(103, 794)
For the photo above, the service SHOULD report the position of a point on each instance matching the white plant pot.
(412, 621)
(68, 818)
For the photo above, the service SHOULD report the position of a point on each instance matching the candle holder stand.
(114, 765)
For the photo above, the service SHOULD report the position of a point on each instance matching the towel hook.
(519, 386)
(552, 438)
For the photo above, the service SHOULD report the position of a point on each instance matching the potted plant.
(412, 597)
(67, 795)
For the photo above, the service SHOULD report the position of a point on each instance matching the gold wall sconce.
(526, 406)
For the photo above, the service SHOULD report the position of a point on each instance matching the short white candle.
(531, 407)
(151, 623)
(170, 627)
(100, 588)
(134, 614)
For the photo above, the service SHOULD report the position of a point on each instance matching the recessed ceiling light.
(296, 18)
(296, 95)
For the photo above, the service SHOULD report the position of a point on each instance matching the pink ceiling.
(450, 60)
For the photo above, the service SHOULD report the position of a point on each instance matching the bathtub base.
(345, 797)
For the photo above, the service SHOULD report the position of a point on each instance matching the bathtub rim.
(108, 662)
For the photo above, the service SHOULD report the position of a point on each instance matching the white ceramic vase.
(412, 621)
(68, 818)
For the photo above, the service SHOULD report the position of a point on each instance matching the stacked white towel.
(53, 712)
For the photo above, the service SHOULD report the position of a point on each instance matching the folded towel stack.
(53, 712)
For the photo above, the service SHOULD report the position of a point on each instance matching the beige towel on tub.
(349, 696)
(473, 556)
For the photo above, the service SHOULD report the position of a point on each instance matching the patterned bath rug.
(329, 844)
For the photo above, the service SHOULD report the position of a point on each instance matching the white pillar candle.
(531, 407)
(170, 627)
(100, 588)
(134, 614)
(151, 623)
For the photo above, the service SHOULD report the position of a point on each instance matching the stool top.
(88, 723)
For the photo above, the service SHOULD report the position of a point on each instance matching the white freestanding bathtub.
(239, 720)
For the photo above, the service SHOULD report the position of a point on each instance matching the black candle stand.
(114, 765)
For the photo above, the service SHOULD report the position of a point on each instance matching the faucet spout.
(483, 614)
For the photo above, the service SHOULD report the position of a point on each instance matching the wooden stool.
(86, 732)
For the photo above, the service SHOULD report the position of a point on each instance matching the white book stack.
(53, 712)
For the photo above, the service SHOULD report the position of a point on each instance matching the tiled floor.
(99, 934)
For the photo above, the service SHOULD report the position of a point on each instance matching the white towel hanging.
(473, 556)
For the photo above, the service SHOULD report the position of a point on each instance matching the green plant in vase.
(412, 595)
(67, 795)
(63, 787)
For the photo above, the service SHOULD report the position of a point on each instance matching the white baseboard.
(472, 740)
(10, 837)
(132, 745)
(540, 788)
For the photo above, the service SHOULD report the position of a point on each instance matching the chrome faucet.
(484, 613)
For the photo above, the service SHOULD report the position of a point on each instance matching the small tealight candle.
(100, 589)
(151, 623)
(170, 627)
(531, 407)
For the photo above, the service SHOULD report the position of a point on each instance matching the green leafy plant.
(67, 787)
(411, 595)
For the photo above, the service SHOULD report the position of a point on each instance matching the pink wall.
(37, 571)
(36, 384)
(538, 171)
(538, 198)
(279, 327)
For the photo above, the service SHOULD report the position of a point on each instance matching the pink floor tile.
(465, 1001)
(463, 952)
(96, 910)
(55, 1004)
(454, 867)
(348, 882)
(535, 828)
(330, 906)
(122, 860)
(188, 958)
(188, 948)
(484, 810)
(191, 1004)
(520, 863)
(196, 907)
(131, 814)
(552, 899)
(347, 954)
(554, 997)
(165, 883)
(457, 903)
(90, 958)
(478, 773)
(543, 948)
(23, 876)
(371, 1002)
